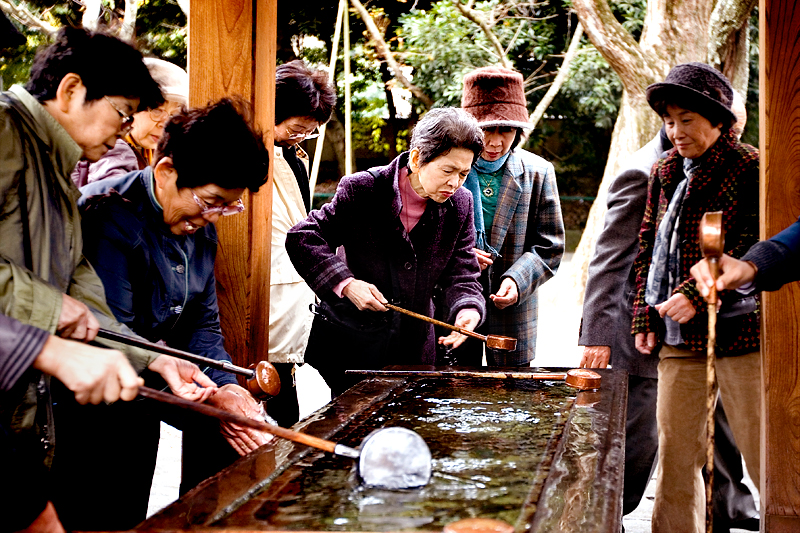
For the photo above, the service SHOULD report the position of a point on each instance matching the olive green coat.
(34, 147)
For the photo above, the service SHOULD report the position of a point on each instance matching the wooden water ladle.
(262, 380)
(495, 342)
(712, 244)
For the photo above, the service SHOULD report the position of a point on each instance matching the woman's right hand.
(484, 258)
(364, 295)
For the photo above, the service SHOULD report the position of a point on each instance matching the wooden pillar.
(780, 207)
(232, 50)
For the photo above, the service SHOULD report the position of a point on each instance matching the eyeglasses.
(127, 118)
(303, 136)
(224, 210)
(158, 114)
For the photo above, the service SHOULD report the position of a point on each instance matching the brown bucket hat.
(495, 97)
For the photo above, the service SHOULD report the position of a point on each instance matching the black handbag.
(365, 335)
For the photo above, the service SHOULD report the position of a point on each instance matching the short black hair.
(444, 128)
(693, 102)
(303, 92)
(106, 65)
(217, 144)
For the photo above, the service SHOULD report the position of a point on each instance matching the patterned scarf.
(665, 269)
(473, 185)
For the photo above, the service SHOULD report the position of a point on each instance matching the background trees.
(590, 124)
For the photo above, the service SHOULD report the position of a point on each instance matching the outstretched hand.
(468, 320)
(507, 294)
(237, 400)
(185, 379)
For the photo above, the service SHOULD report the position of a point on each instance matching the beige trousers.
(681, 412)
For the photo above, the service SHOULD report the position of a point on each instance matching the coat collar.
(64, 152)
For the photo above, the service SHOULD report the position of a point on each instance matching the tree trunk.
(91, 14)
(675, 31)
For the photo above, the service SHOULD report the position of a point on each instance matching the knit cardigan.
(726, 180)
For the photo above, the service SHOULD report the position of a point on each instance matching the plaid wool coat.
(528, 231)
(727, 181)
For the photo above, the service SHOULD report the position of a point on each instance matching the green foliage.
(442, 47)
(161, 30)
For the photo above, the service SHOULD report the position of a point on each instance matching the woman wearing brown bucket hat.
(519, 229)
(708, 170)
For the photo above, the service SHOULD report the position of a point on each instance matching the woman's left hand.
(237, 400)
(678, 308)
(185, 379)
(468, 320)
(508, 294)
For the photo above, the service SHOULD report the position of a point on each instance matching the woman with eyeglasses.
(304, 100)
(150, 236)
(140, 131)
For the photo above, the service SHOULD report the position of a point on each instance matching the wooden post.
(780, 206)
(232, 50)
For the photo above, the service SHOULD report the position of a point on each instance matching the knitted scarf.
(473, 185)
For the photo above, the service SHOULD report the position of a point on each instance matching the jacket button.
(179, 269)
(409, 266)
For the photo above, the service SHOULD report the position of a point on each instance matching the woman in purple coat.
(390, 235)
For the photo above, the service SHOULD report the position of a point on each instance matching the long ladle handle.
(436, 322)
(180, 354)
(227, 416)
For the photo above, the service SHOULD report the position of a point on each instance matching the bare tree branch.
(386, 54)
(24, 16)
(475, 17)
(129, 22)
(91, 14)
(563, 75)
(613, 42)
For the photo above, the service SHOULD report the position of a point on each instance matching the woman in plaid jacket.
(519, 229)
(709, 170)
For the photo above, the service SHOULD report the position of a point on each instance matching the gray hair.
(444, 128)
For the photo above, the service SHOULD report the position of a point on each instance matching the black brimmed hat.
(700, 82)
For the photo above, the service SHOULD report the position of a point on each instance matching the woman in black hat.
(708, 170)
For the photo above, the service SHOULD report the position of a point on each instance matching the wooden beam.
(232, 45)
(780, 206)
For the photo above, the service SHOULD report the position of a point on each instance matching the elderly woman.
(135, 151)
(399, 231)
(150, 235)
(304, 100)
(709, 170)
(519, 229)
